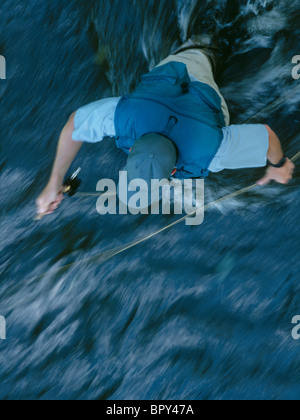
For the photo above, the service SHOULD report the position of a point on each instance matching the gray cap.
(152, 157)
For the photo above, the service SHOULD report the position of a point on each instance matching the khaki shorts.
(199, 66)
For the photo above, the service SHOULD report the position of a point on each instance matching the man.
(176, 123)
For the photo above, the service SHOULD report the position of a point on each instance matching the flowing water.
(194, 313)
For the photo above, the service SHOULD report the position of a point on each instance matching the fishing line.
(296, 157)
(107, 255)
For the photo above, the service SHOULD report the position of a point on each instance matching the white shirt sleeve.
(96, 121)
(243, 146)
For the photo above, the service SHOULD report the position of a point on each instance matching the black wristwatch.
(280, 164)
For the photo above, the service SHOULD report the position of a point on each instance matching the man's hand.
(281, 175)
(49, 200)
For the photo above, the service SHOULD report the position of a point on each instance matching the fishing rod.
(72, 185)
(105, 256)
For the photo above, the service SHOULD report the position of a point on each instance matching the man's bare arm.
(67, 150)
(275, 154)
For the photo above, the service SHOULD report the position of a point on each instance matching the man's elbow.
(270, 131)
(273, 139)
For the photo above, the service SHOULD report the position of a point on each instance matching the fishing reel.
(72, 184)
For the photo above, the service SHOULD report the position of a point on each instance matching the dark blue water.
(194, 313)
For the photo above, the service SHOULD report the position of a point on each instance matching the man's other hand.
(49, 200)
(281, 175)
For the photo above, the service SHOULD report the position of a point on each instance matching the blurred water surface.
(195, 313)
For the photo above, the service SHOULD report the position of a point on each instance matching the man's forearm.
(275, 152)
(282, 174)
(66, 153)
